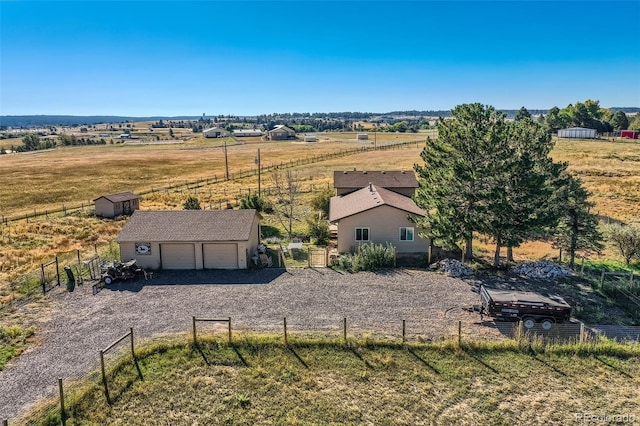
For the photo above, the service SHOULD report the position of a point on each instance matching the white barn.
(215, 132)
(577, 133)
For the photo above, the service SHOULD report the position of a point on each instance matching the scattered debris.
(453, 268)
(541, 269)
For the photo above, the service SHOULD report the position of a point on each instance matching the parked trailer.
(526, 306)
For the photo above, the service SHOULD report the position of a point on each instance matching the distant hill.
(71, 120)
(79, 120)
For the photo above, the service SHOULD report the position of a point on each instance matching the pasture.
(42, 181)
(258, 380)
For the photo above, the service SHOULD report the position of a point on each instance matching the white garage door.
(220, 256)
(178, 256)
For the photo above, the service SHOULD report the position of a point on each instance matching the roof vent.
(364, 172)
(370, 187)
(404, 173)
(354, 169)
(344, 173)
(383, 172)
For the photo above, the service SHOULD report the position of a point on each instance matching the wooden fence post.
(104, 378)
(459, 333)
(63, 414)
(344, 330)
(286, 340)
(133, 353)
(57, 271)
(582, 336)
(230, 340)
(404, 332)
(194, 330)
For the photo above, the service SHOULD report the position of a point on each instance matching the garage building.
(577, 133)
(190, 239)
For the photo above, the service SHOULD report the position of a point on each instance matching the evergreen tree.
(619, 121)
(577, 229)
(457, 181)
(522, 114)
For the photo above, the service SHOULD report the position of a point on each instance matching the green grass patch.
(13, 341)
(258, 380)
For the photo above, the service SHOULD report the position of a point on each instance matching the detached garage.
(190, 239)
(577, 133)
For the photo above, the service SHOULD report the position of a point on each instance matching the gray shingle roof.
(342, 206)
(121, 196)
(188, 225)
(384, 179)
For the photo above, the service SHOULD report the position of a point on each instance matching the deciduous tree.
(625, 239)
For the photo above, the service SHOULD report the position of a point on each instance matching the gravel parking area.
(312, 300)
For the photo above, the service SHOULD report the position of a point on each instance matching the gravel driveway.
(312, 300)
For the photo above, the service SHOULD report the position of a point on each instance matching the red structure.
(629, 134)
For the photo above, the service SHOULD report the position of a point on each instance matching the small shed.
(629, 134)
(310, 137)
(362, 136)
(577, 133)
(215, 132)
(123, 203)
(191, 239)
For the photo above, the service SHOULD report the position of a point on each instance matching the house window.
(406, 234)
(362, 234)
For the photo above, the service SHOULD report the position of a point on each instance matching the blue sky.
(245, 58)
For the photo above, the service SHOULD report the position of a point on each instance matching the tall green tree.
(31, 142)
(457, 179)
(525, 177)
(577, 230)
(619, 121)
(522, 114)
(625, 239)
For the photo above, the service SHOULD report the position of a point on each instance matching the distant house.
(362, 136)
(577, 133)
(310, 137)
(123, 203)
(240, 133)
(215, 132)
(191, 239)
(281, 132)
(402, 182)
(376, 215)
(124, 136)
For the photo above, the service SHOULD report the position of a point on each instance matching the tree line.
(485, 175)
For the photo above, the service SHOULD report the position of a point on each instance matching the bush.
(369, 257)
(254, 202)
(321, 201)
(318, 229)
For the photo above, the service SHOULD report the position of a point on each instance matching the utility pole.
(226, 161)
(259, 172)
(375, 136)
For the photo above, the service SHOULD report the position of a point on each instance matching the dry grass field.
(47, 180)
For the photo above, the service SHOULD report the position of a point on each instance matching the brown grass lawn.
(46, 180)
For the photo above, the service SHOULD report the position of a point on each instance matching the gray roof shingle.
(121, 196)
(188, 225)
(367, 198)
(384, 179)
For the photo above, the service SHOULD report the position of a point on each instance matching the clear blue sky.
(245, 58)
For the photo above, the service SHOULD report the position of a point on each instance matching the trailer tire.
(528, 322)
(108, 279)
(546, 324)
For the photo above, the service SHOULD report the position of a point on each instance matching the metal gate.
(317, 257)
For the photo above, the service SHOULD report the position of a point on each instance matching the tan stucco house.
(400, 181)
(376, 215)
(123, 203)
(190, 239)
(281, 132)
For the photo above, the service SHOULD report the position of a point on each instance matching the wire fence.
(196, 185)
(116, 367)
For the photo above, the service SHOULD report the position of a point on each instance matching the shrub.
(192, 203)
(369, 257)
(252, 201)
(321, 201)
(318, 229)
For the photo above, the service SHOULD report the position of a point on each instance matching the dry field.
(46, 180)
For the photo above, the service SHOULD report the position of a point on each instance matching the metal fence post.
(344, 330)
(459, 333)
(133, 353)
(230, 341)
(57, 271)
(194, 330)
(404, 331)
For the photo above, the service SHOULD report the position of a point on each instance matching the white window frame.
(361, 228)
(413, 233)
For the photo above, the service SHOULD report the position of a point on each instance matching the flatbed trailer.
(524, 306)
